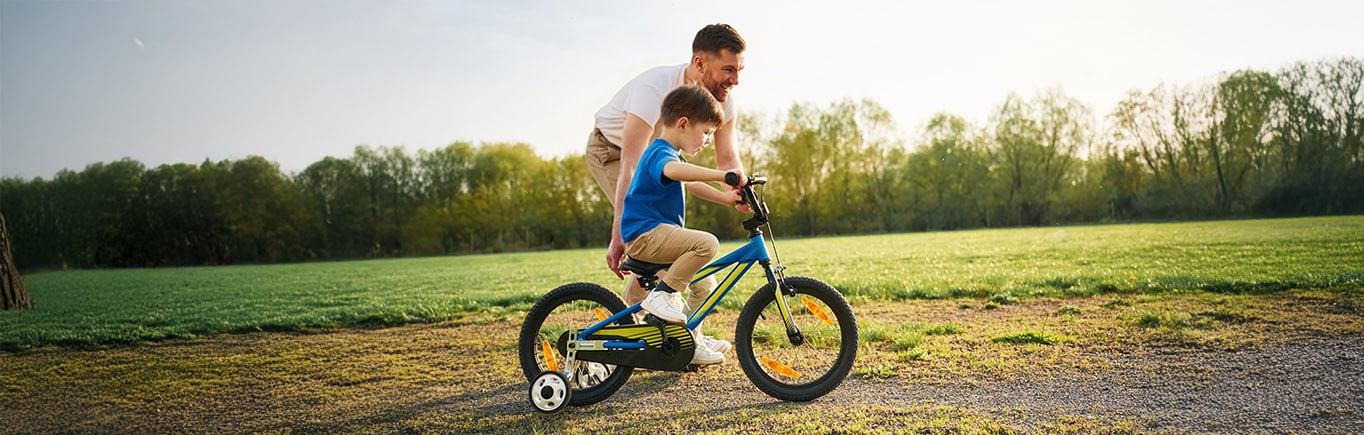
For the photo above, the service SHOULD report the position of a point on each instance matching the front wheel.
(571, 306)
(806, 365)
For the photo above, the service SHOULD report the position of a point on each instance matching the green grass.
(1252, 256)
(115, 306)
(1027, 337)
(1249, 256)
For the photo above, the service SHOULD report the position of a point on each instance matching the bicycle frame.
(742, 259)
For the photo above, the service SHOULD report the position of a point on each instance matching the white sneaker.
(665, 305)
(714, 344)
(705, 356)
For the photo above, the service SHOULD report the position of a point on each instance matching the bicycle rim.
(806, 368)
(577, 305)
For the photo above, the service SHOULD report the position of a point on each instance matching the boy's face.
(695, 135)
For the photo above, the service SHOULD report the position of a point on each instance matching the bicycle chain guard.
(668, 347)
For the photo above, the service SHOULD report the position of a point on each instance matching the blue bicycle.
(796, 337)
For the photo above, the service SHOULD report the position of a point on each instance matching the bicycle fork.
(777, 278)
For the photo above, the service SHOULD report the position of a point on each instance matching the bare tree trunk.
(13, 294)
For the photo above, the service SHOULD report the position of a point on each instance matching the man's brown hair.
(694, 103)
(715, 37)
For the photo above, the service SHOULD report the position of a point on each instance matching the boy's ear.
(681, 123)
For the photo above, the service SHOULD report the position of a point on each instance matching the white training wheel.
(549, 392)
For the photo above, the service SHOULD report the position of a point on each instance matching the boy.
(654, 208)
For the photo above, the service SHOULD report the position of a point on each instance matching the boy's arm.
(705, 191)
(683, 171)
(687, 172)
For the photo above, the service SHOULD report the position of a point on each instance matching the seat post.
(647, 282)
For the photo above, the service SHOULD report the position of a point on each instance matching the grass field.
(996, 266)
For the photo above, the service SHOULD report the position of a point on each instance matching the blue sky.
(295, 81)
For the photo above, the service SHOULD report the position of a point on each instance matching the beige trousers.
(603, 161)
(687, 250)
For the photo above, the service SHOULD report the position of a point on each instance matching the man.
(626, 125)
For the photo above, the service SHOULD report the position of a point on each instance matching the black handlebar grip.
(731, 178)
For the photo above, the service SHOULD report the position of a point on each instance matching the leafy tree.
(1318, 137)
(1035, 147)
(1239, 151)
(821, 158)
(264, 215)
(951, 171)
(182, 221)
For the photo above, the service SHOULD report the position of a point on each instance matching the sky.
(296, 81)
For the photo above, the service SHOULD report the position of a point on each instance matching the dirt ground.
(463, 377)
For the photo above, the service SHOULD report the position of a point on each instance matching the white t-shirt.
(643, 96)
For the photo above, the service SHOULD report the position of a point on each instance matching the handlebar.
(748, 196)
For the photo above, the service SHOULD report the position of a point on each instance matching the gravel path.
(404, 380)
(1314, 387)
(1301, 387)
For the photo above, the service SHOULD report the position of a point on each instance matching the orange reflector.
(601, 314)
(780, 368)
(819, 312)
(549, 356)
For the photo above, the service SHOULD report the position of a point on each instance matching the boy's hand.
(736, 180)
(743, 207)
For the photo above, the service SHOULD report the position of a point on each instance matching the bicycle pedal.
(694, 368)
(651, 319)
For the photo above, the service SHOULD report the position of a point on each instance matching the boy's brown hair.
(694, 103)
(715, 37)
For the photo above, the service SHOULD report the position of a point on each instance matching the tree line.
(380, 202)
(1247, 143)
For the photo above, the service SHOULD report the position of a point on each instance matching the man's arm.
(726, 151)
(727, 157)
(633, 141)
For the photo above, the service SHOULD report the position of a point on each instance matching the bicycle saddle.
(642, 268)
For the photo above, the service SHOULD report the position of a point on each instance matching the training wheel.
(549, 392)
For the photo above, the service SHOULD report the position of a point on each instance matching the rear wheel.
(808, 365)
(577, 305)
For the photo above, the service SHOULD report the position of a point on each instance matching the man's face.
(720, 73)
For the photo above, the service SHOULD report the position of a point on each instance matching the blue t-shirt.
(652, 199)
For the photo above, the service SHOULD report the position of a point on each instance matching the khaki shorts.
(688, 250)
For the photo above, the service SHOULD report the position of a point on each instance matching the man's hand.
(615, 253)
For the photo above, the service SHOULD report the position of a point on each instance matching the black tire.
(571, 306)
(821, 362)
